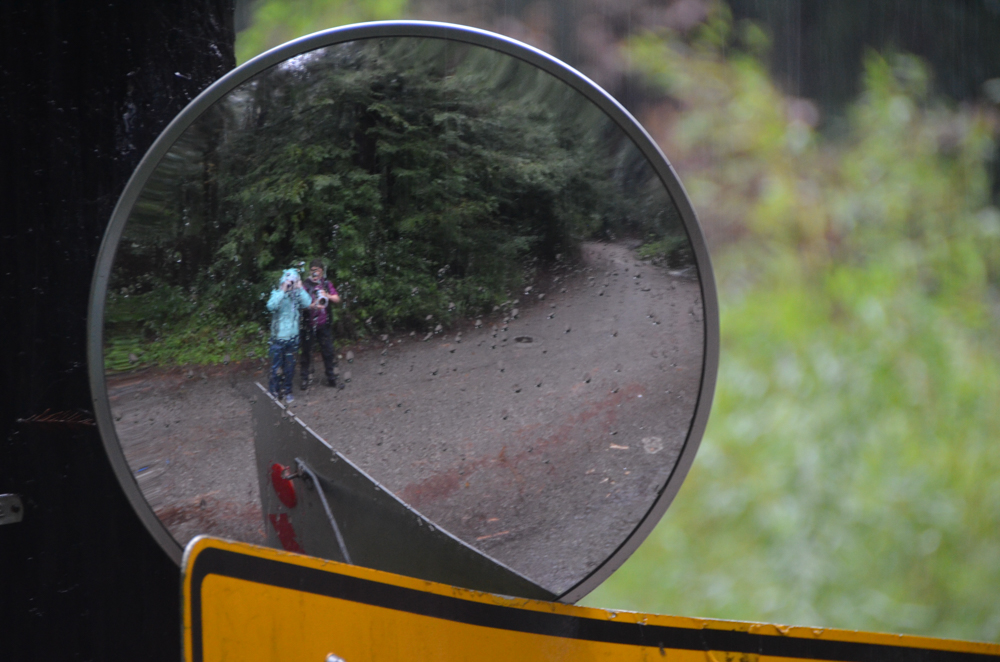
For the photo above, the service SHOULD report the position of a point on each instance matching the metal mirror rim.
(383, 29)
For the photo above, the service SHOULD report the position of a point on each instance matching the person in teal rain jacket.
(285, 305)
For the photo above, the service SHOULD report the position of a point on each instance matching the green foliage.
(277, 21)
(414, 177)
(671, 250)
(164, 326)
(849, 473)
(196, 341)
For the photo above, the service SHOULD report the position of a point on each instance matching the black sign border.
(236, 565)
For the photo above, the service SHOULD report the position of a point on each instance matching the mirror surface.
(520, 332)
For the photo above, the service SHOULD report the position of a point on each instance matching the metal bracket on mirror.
(11, 509)
(382, 531)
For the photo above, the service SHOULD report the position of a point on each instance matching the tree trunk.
(85, 88)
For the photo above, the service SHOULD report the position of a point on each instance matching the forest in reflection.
(434, 179)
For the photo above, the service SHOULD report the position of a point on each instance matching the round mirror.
(412, 296)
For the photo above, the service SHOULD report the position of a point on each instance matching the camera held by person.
(317, 326)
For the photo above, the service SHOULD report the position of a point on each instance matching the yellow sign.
(243, 602)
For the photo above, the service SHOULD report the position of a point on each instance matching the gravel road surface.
(540, 434)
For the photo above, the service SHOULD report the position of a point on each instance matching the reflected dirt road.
(542, 441)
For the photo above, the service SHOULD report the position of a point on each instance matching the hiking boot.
(333, 383)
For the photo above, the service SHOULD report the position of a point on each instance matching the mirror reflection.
(448, 264)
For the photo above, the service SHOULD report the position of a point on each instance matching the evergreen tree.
(433, 175)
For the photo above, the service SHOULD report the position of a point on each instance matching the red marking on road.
(436, 487)
(286, 532)
(493, 535)
(220, 520)
(600, 416)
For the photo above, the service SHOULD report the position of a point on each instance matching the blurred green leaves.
(850, 473)
(276, 21)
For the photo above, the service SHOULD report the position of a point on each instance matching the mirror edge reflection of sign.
(346, 512)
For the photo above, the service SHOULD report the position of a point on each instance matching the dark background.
(819, 46)
(85, 87)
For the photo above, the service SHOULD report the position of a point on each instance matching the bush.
(848, 475)
(432, 181)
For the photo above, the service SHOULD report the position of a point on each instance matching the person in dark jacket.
(317, 328)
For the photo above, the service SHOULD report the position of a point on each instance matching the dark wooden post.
(85, 87)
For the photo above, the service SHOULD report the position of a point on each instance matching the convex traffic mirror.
(411, 296)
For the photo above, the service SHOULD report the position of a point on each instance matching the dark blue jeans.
(283, 355)
(323, 337)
